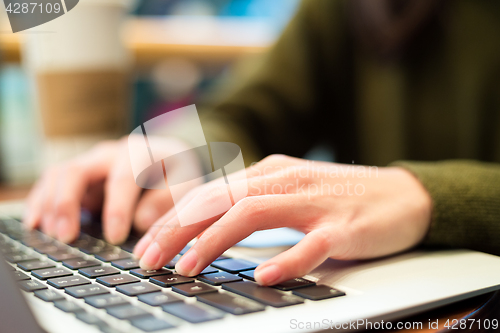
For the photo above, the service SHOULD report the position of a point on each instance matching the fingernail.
(62, 230)
(268, 275)
(187, 263)
(113, 227)
(151, 257)
(142, 245)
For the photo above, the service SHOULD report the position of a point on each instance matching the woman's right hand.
(100, 179)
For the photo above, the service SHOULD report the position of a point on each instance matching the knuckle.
(324, 241)
(349, 246)
(274, 158)
(165, 234)
(251, 206)
(212, 194)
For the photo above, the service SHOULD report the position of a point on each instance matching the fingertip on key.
(113, 230)
(187, 263)
(64, 230)
(267, 275)
(151, 257)
(141, 246)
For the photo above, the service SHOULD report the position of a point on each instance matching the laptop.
(91, 286)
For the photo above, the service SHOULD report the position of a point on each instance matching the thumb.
(297, 261)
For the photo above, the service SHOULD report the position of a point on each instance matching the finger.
(196, 199)
(121, 195)
(152, 205)
(208, 202)
(33, 209)
(204, 205)
(169, 217)
(248, 215)
(73, 180)
(49, 188)
(299, 260)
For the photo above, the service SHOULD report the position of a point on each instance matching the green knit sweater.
(438, 104)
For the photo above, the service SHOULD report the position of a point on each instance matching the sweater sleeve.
(466, 203)
(276, 109)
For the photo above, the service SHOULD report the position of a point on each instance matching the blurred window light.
(277, 11)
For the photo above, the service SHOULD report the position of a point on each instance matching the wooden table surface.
(484, 306)
(152, 39)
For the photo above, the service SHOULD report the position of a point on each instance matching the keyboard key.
(234, 265)
(17, 257)
(208, 270)
(265, 295)
(233, 304)
(216, 279)
(90, 245)
(34, 264)
(138, 288)
(128, 312)
(68, 306)
(222, 258)
(71, 281)
(90, 319)
(8, 248)
(49, 273)
(144, 274)
(31, 285)
(19, 276)
(126, 264)
(109, 329)
(318, 292)
(50, 248)
(115, 280)
(294, 284)
(78, 263)
(129, 245)
(86, 290)
(105, 301)
(112, 255)
(151, 324)
(171, 263)
(49, 295)
(159, 298)
(94, 272)
(247, 275)
(170, 280)
(63, 256)
(192, 312)
(193, 289)
(33, 241)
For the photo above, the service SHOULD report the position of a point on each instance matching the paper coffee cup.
(80, 73)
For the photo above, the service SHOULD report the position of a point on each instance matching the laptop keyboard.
(91, 274)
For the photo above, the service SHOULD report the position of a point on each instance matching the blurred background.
(134, 59)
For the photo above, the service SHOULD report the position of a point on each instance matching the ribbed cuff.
(466, 203)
